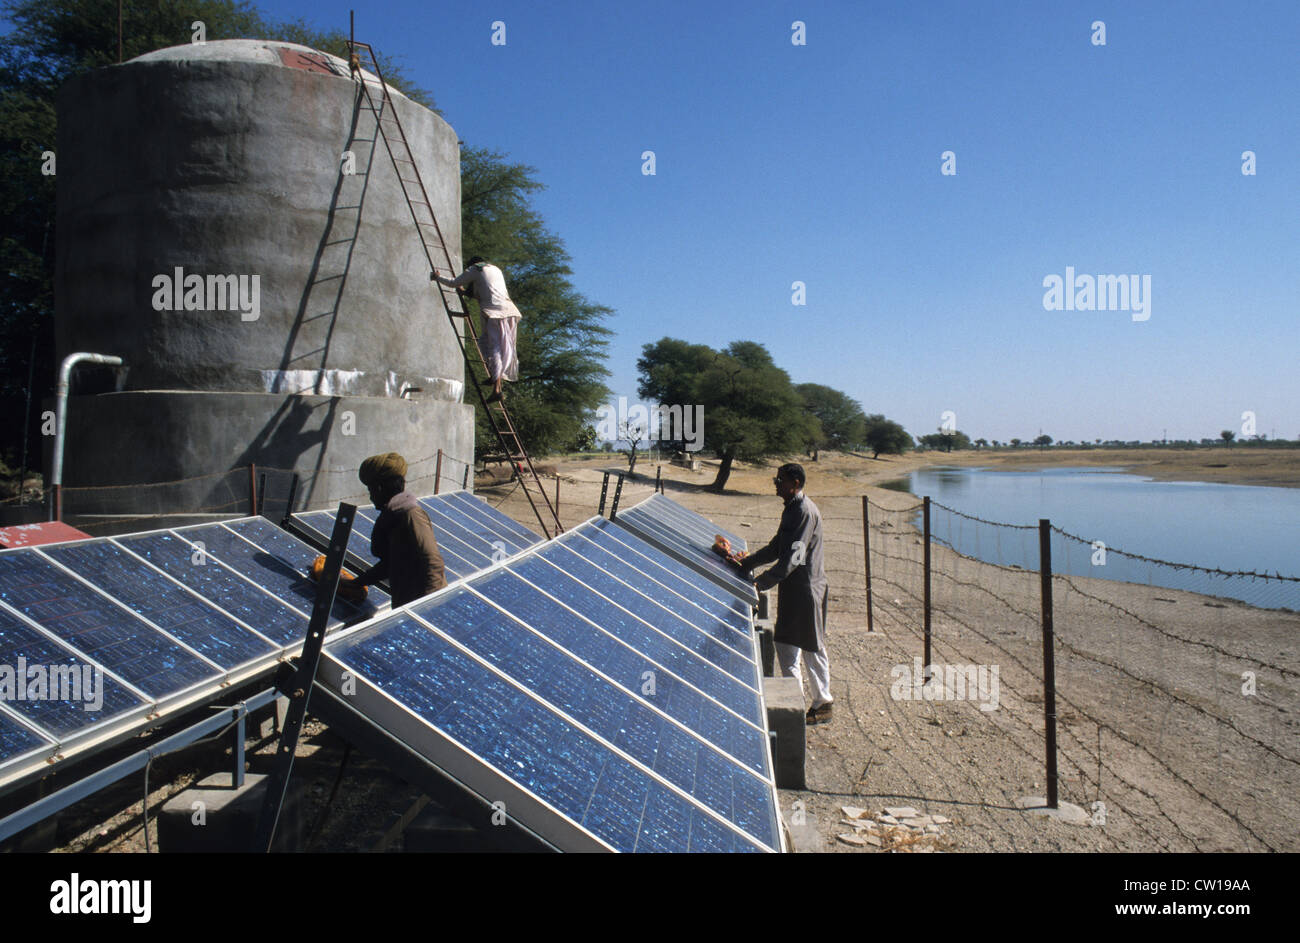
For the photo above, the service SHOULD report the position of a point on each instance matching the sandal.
(818, 715)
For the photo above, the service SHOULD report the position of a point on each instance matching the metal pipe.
(61, 420)
(1049, 656)
(866, 556)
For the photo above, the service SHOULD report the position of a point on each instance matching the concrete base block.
(802, 833)
(1066, 812)
(212, 817)
(437, 830)
(785, 716)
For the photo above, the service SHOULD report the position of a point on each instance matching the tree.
(751, 410)
(1015, 443)
(843, 423)
(561, 337)
(1043, 441)
(947, 441)
(982, 443)
(1227, 435)
(884, 435)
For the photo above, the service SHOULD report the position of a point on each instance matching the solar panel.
(471, 535)
(113, 632)
(34, 657)
(104, 632)
(687, 537)
(609, 705)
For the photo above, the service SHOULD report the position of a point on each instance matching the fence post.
(866, 559)
(925, 662)
(557, 494)
(464, 483)
(1049, 655)
(659, 478)
(437, 473)
(252, 488)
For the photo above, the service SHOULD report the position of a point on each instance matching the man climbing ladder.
(500, 319)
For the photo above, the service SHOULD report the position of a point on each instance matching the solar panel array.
(100, 636)
(598, 687)
(471, 535)
(688, 537)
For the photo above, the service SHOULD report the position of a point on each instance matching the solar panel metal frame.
(22, 768)
(476, 773)
(693, 560)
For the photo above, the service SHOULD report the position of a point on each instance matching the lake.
(1228, 527)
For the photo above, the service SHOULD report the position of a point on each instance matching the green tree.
(1227, 435)
(1043, 441)
(561, 338)
(885, 435)
(843, 423)
(751, 410)
(946, 441)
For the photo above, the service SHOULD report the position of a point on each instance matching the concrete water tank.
(230, 226)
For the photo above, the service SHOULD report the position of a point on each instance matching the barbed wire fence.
(1187, 687)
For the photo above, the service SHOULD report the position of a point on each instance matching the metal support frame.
(298, 685)
(288, 504)
(252, 489)
(437, 473)
(55, 802)
(618, 493)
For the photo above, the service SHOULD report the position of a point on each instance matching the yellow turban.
(377, 467)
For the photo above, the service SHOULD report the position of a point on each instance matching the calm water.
(1230, 527)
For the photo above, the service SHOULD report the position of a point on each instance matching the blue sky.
(821, 163)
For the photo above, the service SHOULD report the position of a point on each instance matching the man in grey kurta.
(802, 589)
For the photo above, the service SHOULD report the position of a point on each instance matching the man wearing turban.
(402, 538)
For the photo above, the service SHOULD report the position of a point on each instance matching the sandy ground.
(1157, 743)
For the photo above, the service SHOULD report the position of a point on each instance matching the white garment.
(497, 344)
(819, 671)
(489, 289)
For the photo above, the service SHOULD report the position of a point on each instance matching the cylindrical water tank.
(232, 226)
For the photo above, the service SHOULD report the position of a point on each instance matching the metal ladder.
(417, 200)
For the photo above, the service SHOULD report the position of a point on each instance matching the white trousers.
(819, 670)
(497, 342)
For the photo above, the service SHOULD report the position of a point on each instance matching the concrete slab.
(785, 716)
(212, 817)
(1068, 812)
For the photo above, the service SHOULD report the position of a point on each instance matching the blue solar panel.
(455, 526)
(33, 658)
(700, 639)
(16, 740)
(637, 674)
(106, 633)
(666, 590)
(517, 533)
(626, 722)
(644, 556)
(268, 568)
(522, 739)
(204, 574)
(661, 653)
(688, 537)
(156, 598)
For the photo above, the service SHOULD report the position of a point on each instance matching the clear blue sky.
(821, 163)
